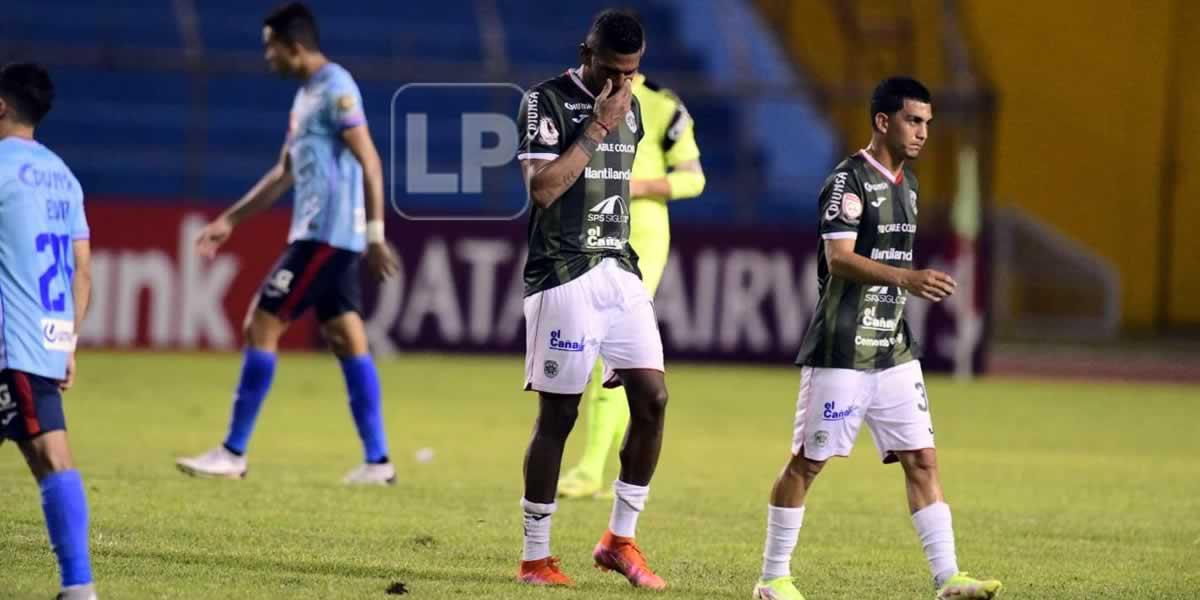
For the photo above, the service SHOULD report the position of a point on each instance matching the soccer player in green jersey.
(859, 361)
(584, 298)
(666, 167)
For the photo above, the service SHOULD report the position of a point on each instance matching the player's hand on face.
(212, 236)
(931, 285)
(381, 260)
(66, 384)
(611, 105)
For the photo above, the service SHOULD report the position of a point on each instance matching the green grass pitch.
(1063, 490)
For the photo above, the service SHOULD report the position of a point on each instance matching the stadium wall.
(1080, 132)
(1098, 121)
(1183, 123)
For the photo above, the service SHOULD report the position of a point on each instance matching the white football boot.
(217, 462)
(371, 474)
(78, 592)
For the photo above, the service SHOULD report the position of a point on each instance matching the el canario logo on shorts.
(558, 343)
(832, 413)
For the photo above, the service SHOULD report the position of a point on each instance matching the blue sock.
(258, 367)
(66, 512)
(362, 383)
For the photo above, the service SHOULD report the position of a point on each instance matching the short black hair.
(27, 88)
(890, 94)
(294, 23)
(617, 31)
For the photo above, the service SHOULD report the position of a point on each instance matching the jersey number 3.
(59, 245)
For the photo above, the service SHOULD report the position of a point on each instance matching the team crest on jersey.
(631, 121)
(346, 102)
(912, 200)
(853, 205)
(550, 368)
(547, 132)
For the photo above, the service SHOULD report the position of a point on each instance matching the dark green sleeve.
(540, 125)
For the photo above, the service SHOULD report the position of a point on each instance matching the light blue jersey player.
(328, 177)
(44, 287)
(41, 218)
(337, 215)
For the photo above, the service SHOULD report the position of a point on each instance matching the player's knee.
(255, 335)
(54, 462)
(339, 344)
(919, 463)
(801, 467)
(48, 454)
(558, 419)
(248, 332)
(261, 333)
(652, 407)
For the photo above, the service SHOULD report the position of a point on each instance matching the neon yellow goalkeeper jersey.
(669, 141)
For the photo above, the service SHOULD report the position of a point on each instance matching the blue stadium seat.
(170, 134)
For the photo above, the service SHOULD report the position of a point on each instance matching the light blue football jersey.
(328, 203)
(41, 214)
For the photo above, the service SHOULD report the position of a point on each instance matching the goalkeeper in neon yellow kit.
(667, 167)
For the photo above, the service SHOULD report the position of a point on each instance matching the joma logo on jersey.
(891, 254)
(870, 321)
(607, 173)
(557, 343)
(610, 210)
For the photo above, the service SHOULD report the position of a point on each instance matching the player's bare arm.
(660, 187)
(266, 192)
(548, 180)
(845, 263)
(81, 293)
(381, 261)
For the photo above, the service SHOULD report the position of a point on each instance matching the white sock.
(783, 529)
(627, 505)
(537, 529)
(937, 538)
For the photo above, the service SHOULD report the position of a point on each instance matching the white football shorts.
(605, 312)
(833, 403)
